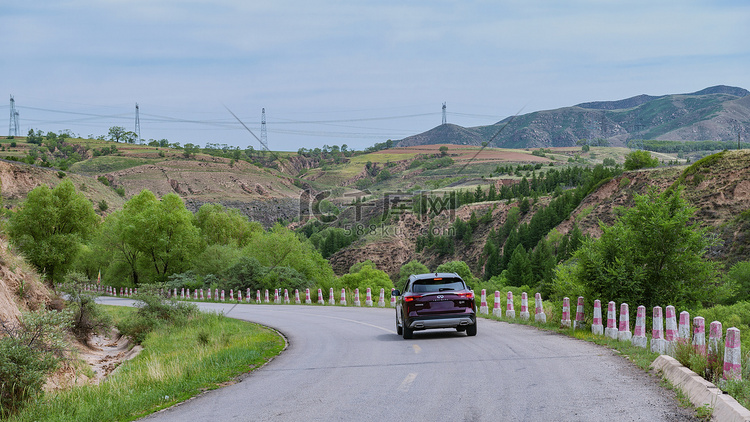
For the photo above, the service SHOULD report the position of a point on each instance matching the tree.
(366, 275)
(520, 272)
(411, 267)
(443, 151)
(51, 227)
(117, 133)
(652, 255)
(190, 149)
(739, 279)
(225, 226)
(640, 159)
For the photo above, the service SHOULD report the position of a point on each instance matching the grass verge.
(178, 362)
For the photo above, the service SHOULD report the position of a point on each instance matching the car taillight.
(411, 298)
(469, 295)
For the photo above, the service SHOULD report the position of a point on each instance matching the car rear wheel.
(399, 329)
(471, 330)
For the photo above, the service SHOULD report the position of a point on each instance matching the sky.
(351, 72)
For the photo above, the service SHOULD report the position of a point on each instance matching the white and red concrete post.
(596, 323)
(331, 299)
(510, 311)
(368, 297)
(231, 295)
(286, 296)
(496, 310)
(321, 300)
(714, 341)
(579, 323)
(222, 295)
(381, 299)
(276, 298)
(611, 330)
(393, 299)
(657, 332)
(639, 332)
(356, 297)
(565, 320)
(623, 333)
(683, 330)
(539, 315)
(732, 355)
(483, 308)
(699, 335)
(670, 333)
(524, 306)
(308, 300)
(296, 297)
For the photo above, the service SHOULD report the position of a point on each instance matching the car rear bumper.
(442, 322)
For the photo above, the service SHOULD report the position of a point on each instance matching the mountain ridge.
(715, 113)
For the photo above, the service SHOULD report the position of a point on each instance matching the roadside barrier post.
(267, 299)
(247, 295)
(565, 321)
(732, 355)
(368, 297)
(393, 299)
(257, 296)
(195, 294)
(639, 335)
(239, 296)
(209, 294)
(202, 297)
(596, 323)
(216, 294)
(296, 297)
(381, 300)
(624, 333)
(510, 311)
(231, 295)
(699, 335)
(539, 315)
(524, 306)
(670, 334)
(496, 311)
(483, 308)
(343, 297)
(356, 297)
(222, 295)
(307, 296)
(683, 331)
(182, 294)
(657, 332)
(331, 299)
(276, 298)
(320, 297)
(579, 324)
(286, 296)
(611, 330)
(714, 340)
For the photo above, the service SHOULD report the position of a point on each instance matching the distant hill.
(714, 113)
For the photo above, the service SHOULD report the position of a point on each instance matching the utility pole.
(137, 122)
(445, 120)
(263, 133)
(13, 127)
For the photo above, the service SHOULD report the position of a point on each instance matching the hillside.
(718, 188)
(714, 113)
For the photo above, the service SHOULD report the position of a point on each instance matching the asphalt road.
(348, 364)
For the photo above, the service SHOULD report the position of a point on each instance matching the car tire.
(399, 329)
(471, 330)
(406, 331)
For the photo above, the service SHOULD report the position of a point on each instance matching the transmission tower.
(13, 126)
(263, 134)
(138, 122)
(444, 119)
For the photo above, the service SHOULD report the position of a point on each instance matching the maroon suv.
(436, 300)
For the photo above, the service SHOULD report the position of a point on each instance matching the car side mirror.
(395, 293)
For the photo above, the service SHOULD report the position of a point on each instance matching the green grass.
(108, 164)
(177, 363)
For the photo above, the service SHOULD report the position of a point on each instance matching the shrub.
(640, 159)
(28, 352)
(88, 318)
(120, 191)
(103, 180)
(152, 311)
(103, 206)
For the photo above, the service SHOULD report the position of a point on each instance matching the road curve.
(348, 364)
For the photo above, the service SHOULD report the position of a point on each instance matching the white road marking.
(406, 383)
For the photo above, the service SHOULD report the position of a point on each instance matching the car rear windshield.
(437, 285)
